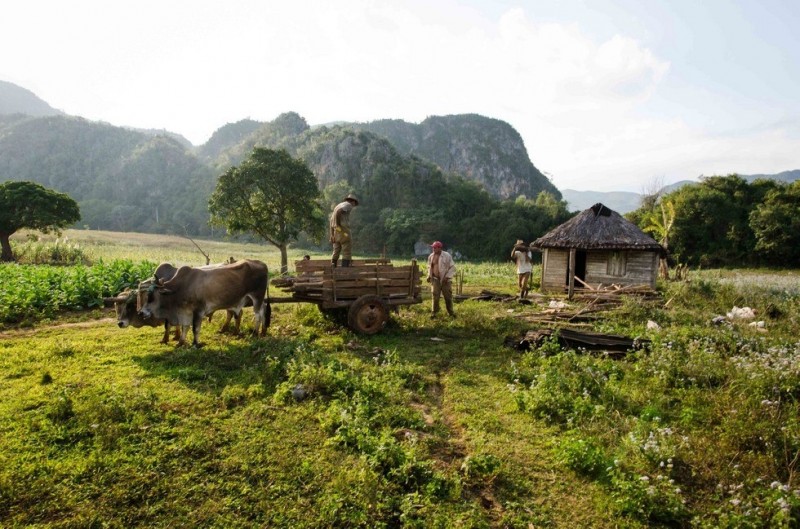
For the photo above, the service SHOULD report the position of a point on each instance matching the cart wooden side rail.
(366, 289)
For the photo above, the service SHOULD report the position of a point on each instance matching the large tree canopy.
(776, 224)
(271, 195)
(30, 205)
(727, 221)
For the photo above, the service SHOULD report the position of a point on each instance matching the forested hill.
(404, 198)
(484, 150)
(133, 180)
(17, 100)
(122, 179)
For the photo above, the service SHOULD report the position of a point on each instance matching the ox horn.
(109, 302)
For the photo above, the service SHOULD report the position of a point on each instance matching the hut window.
(617, 263)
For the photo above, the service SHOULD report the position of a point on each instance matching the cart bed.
(318, 282)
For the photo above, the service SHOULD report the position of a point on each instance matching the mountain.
(620, 201)
(484, 150)
(17, 100)
(785, 176)
(227, 136)
(669, 188)
(623, 201)
(122, 179)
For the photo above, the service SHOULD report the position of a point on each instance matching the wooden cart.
(366, 290)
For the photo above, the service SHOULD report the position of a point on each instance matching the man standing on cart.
(441, 271)
(340, 231)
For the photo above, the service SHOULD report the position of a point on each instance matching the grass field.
(431, 423)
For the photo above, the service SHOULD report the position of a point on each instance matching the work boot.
(345, 263)
(333, 263)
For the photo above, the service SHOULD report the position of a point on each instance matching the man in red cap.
(441, 270)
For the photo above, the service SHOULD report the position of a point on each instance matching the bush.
(58, 252)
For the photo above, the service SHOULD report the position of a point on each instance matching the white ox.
(194, 293)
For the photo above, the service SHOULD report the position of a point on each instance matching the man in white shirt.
(521, 255)
(441, 271)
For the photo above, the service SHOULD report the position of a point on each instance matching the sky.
(608, 95)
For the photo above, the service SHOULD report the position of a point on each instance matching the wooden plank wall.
(641, 268)
(554, 272)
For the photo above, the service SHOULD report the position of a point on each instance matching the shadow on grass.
(216, 366)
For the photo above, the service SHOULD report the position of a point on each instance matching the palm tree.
(659, 226)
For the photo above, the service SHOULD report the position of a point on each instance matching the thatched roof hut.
(598, 247)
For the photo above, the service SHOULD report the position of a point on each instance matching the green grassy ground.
(431, 423)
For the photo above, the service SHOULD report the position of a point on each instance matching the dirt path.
(21, 333)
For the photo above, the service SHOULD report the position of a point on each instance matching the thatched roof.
(598, 228)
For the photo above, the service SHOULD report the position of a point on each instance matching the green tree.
(658, 222)
(30, 205)
(712, 226)
(271, 195)
(776, 224)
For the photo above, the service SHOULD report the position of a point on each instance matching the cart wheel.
(367, 315)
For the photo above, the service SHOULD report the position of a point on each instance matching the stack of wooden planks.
(611, 344)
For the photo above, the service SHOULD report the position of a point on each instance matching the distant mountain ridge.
(625, 201)
(155, 181)
(118, 173)
(17, 100)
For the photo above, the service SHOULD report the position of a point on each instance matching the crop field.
(430, 423)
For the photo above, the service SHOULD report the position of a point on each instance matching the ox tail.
(267, 308)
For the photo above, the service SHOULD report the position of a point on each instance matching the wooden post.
(571, 273)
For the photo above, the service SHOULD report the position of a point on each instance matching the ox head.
(149, 298)
(125, 307)
(120, 303)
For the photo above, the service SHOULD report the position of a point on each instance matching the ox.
(165, 271)
(127, 315)
(125, 305)
(193, 293)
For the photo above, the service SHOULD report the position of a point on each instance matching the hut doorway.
(580, 267)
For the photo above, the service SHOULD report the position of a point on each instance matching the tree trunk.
(663, 268)
(663, 265)
(7, 255)
(284, 259)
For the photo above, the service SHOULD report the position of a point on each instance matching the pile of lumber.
(488, 295)
(613, 291)
(611, 344)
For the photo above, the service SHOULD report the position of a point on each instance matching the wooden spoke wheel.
(367, 315)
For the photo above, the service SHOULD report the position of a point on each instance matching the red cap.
(436, 244)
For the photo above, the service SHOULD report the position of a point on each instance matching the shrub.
(58, 252)
(584, 455)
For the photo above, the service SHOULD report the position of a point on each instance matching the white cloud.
(583, 106)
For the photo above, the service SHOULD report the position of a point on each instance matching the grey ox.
(194, 293)
(128, 316)
(165, 271)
